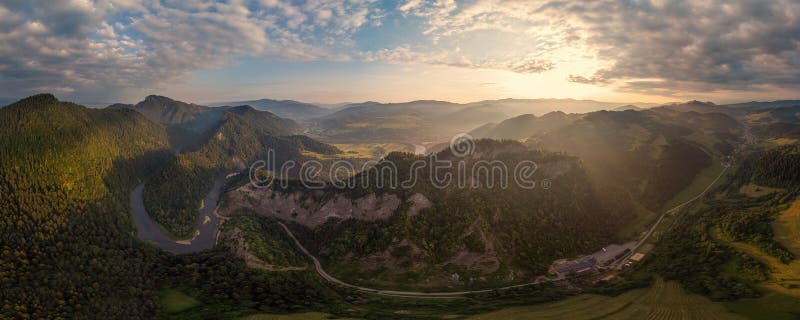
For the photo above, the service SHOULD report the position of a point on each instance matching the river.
(207, 222)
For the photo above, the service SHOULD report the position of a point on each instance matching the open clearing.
(174, 301)
(372, 150)
(754, 191)
(664, 300)
(772, 306)
(784, 278)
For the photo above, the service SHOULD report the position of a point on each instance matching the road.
(318, 266)
(417, 294)
(619, 264)
(749, 139)
(207, 224)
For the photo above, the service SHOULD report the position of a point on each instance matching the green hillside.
(163, 110)
(67, 243)
(726, 247)
(283, 108)
(173, 195)
(480, 233)
(66, 172)
(524, 126)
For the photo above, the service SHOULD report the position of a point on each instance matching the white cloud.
(103, 47)
(99, 49)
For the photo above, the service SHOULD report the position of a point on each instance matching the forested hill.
(189, 125)
(420, 236)
(262, 122)
(65, 174)
(173, 195)
(67, 243)
(164, 110)
(650, 155)
(524, 126)
(283, 108)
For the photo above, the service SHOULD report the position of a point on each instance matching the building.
(580, 265)
(636, 257)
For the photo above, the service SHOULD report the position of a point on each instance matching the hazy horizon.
(101, 104)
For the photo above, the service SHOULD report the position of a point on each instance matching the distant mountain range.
(431, 120)
(283, 108)
(164, 110)
(418, 121)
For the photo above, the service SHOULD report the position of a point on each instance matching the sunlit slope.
(664, 300)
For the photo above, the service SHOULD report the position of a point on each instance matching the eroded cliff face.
(305, 207)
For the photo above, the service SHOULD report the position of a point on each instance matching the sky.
(330, 51)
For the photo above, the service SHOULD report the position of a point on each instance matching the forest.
(67, 246)
(695, 250)
(524, 230)
(173, 194)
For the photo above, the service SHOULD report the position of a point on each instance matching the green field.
(372, 150)
(663, 300)
(772, 306)
(787, 228)
(174, 301)
(753, 190)
(700, 183)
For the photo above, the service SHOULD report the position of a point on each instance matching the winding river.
(207, 222)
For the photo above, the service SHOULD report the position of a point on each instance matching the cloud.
(453, 58)
(706, 45)
(531, 66)
(642, 45)
(104, 48)
(596, 79)
(109, 48)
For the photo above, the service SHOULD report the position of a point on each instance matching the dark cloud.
(99, 49)
(716, 45)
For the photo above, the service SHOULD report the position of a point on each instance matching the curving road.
(332, 279)
(660, 218)
(318, 266)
